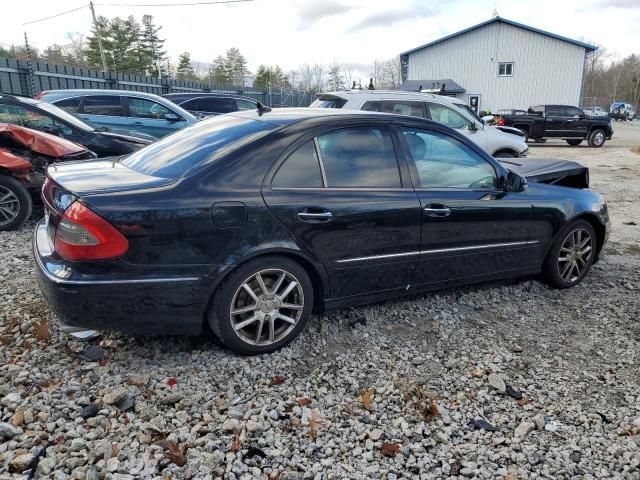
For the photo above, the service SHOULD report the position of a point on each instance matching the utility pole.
(32, 84)
(95, 24)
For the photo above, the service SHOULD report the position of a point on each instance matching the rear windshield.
(176, 154)
(328, 103)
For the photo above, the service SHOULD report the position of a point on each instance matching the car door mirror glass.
(171, 117)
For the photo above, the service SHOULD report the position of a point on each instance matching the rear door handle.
(437, 211)
(315, 215)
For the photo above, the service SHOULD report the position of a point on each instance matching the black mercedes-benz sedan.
(251, 221)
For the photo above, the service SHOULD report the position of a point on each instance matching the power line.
(190, 4)
(56, 15)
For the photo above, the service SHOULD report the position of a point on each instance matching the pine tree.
(270, 76)
(92, 52)
(153, 47)
(236, 66)
(218, 73)
(184, 71)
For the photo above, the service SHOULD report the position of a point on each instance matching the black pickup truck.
(560, 121)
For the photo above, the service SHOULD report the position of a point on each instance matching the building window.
(505, 69)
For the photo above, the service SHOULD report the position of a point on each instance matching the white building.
(500, 64)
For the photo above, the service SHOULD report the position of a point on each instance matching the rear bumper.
(171, 305)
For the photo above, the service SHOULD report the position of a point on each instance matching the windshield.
(66, 117)
(208, 140)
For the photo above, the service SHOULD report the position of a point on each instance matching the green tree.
(153, 47)
(184, 70)
(218, 71)
(270, 76)
(236, 66)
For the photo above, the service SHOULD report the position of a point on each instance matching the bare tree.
(387, 74)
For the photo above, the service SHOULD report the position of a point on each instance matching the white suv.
(622, 111)
(446, 110)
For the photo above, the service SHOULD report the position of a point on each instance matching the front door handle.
(437, 211)
(315, 215)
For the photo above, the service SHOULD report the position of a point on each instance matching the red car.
(25, 155)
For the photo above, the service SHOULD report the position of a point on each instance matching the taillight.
(501, 121)
(40, 95)
(82, 235)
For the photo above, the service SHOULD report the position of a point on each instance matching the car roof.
(18, 98)
(288, 116)
(385, 94)
(206, 94)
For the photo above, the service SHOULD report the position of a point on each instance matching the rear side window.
(71, 105)
(190, 104)
(329, 103)
(103, 105)
(216, 105)
(413, 109)
(300, 170)
(174, 155)
(359, 157)
(573, 111)
(555, 111)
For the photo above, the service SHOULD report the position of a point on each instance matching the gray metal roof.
(589, 48)
(431, 86)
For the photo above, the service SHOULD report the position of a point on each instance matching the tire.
(574, 142)
(15, 203)
(553, 270)
(232, 295)
(597, 138)
(540, 140)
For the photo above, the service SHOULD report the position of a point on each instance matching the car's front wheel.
(571, 255)
(15, 203)
(262, 306)
(597, 138)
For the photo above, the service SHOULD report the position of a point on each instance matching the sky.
(350, 32)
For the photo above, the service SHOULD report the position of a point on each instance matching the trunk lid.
(102, 176)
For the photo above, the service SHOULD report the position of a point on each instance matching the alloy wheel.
(575, 255)
(266, 307)
(9, 206)
(598, 138)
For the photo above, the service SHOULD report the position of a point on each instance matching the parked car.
(42, 116)
(446, 110)
(596, 112)
(250, 221)
(137, 111)
(208, 104)
(561, 121)
(24, 157)
(622, 111)
(511, 111)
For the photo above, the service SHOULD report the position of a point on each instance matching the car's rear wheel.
(15, 203)
(262, 306)
(597, 138)
(574, 142)
(571, 255)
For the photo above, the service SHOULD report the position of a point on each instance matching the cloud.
(311, 11)
(413, 11)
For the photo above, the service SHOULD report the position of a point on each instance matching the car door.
(344, 196)
(554, 121)
(104, 111)
(576, 123)
(152, 118)
(470, 227)
(451, 118)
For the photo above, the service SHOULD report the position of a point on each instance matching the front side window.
(103, 105)
(447, 116)
(443, 162)
(573, 112)
(143, 108)
(245, 104)
(300, 170)
(399, 107)
(371, 106)
(359, 157)
(505, 69)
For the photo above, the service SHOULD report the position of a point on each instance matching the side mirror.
(515, 182)
(172, 117)
(472, 127)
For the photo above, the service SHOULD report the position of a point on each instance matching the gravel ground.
(504, 380)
